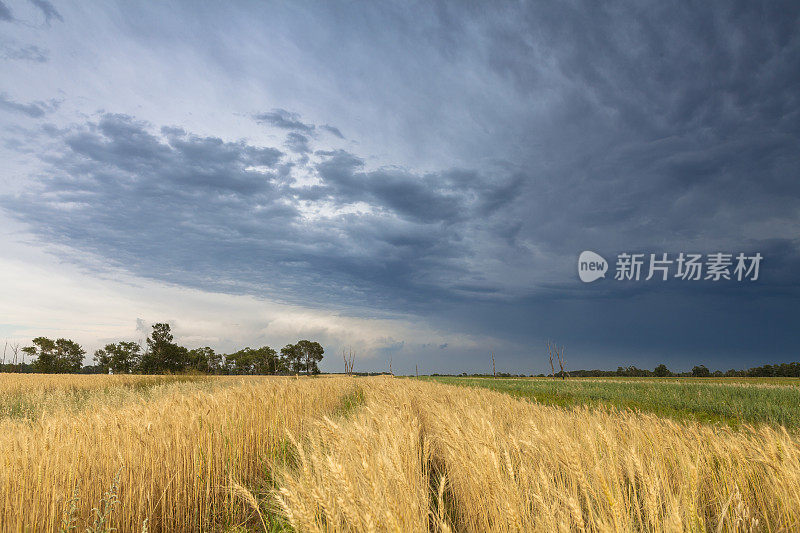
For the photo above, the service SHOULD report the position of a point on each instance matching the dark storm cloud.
(280, 118)
(297, 143)
(25, 53)
(5, 13)
(448, 197)
(332, 130)
(168, 207)
(214, 214)
(50, 13)
(673, 123)
(124, 148)
(545, 129)
(33, 109)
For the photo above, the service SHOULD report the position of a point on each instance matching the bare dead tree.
(349, 359)
(560, 355)
(550, 354)
(552, 350)
(494, 372)
(390, 365)
(416, 370)
(15, 351)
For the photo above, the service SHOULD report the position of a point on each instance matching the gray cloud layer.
(50, 13)
(280, 118)
(5, 13)
(539, 131)
(26, 53)
(32, 110)
(221, 214)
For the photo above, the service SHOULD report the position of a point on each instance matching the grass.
(177, 454)
(423, 456)
(381, 454)
(30, 396)
(285, 457)
(732, 401)
(365, 473)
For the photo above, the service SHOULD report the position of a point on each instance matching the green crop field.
(732, 401)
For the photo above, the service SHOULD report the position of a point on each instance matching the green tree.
(55, 357)
(700, 371)
(266, 361)
(204, 360)
(262, 360)
(292, 358)
(241, 361)
(120, 358)
(310, 355)
(162, 354)
(662, 371)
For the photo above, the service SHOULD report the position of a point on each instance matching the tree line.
(160, 354)
(788, 370)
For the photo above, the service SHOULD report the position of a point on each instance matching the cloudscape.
(415, 181)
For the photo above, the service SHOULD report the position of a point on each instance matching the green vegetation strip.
(713, 402)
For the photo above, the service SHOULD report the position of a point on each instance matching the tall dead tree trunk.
(552, 349)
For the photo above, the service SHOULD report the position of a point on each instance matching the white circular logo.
(591, 266)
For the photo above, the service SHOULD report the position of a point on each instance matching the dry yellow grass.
(415, 456)
(31, 396)
(31, 383)
(509, 465)
(177, 457)
(368, 473)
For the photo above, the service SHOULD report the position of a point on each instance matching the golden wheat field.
(160, 453)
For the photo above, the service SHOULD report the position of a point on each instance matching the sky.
(412, 181)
